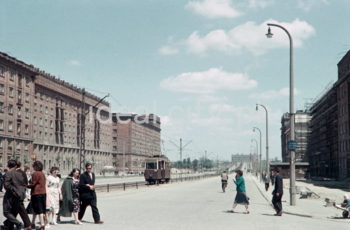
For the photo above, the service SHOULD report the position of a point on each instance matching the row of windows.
(11, 75)
(11, 143)
(10, 127)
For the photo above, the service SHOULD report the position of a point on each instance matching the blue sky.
(201, 65)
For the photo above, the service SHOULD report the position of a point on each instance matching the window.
(27, 113)
(1, 143)
(41, 121)
(2, 89)
(27, 81)
(10, 126)
(9, 146)
(35, 121)
(1, 125)
(18, 145)
(51, 124)
(19, 95)
(11, 92)
(41, 95)
(26, 129)
(12, 75)
(26, 146)
(10, 109)
(35, 107)
(19, 128)
(46, 110)
(2, 71)
(27, 97)
(41, 108)
(1, 107)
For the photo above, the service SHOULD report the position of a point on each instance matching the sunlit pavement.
(192, 205)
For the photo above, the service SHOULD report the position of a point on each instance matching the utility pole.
(82, 133)
(181, 148)
(82, 128)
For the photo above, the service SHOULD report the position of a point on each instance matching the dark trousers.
(93, 204)
(277, 202)
(10, 204)
(267, 185)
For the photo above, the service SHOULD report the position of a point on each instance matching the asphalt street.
(192, 205)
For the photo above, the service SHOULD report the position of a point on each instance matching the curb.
(285, 212)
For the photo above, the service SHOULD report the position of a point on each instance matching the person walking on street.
(38, 193)
(277, 192)
(70, 194)
(54, 194)
(88, 194)
(224, 179)
(267, 181)
(241, 197)
(0, 180)
(15, 185)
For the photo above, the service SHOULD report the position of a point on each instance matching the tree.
(195, 163)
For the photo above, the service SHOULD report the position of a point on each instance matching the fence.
(137, 184)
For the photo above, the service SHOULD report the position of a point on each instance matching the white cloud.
(259, 3)
(168, 50)
(273, 94)
(249, 36)
(74, 63)
(306, 5)
(208, 82)
(213, 8)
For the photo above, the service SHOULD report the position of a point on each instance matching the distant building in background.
(302, 133)
(134, 138)
(235, 158)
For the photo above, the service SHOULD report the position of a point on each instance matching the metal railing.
(137, 184)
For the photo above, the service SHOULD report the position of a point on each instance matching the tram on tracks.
(157, 170)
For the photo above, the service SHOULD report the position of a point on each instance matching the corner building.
(40, 119)
(135, 138)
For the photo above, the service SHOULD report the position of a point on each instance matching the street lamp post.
(260, 164)
(257, 149)
(291, 111)
(267, 137)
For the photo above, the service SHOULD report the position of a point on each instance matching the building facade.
(40, 119)
(343, 87)
(302, 132)
(135, 138)
(323, 141)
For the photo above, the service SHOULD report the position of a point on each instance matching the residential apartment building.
(302, 132)
(40, 119)
(135, 138)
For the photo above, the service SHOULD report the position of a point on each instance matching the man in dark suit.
(15, 184)
(87, 194)
(277, 192)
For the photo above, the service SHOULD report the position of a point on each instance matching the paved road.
(192, 205)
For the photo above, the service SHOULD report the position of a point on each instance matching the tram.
(157, 170)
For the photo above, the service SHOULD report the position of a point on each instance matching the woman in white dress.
(54, 194)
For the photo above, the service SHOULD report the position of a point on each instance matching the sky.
(201, 65)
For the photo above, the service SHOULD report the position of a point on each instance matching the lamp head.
(269, 34)
(256, 108)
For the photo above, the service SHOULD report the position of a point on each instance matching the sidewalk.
(311, 207)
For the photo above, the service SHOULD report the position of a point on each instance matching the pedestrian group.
(242, 198)
(46, 198)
